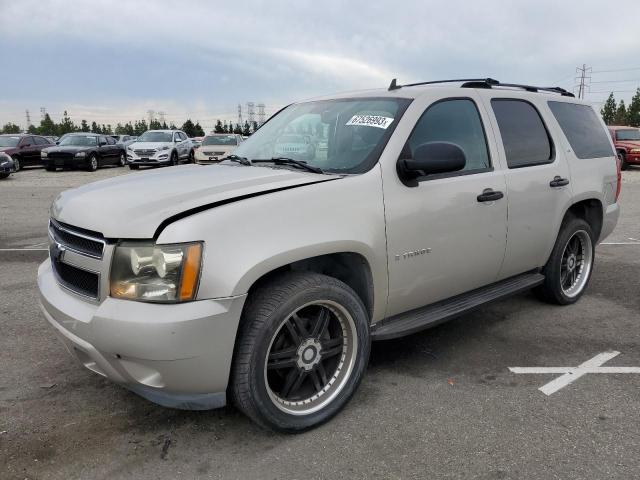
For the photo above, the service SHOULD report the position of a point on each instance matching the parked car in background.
(124, 140)
(263, 280)
(84, 150)
(7, 167)
(52, 138)
(627, 143)
(24, 149)
(160, 148)
(196, 141)
(217, 146)
(292, 144)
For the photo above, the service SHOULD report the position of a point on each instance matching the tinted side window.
(455, 121)
(524, 136)
(102, 140)
(41, 141)
(583, 130)
(27, 141)
(111, 141)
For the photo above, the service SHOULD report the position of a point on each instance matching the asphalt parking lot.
(439, 404)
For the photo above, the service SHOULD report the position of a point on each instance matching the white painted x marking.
(571, 374)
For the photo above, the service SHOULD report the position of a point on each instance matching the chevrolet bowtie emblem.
(57, 252)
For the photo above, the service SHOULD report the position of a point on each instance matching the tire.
(623, 161)
(92, 163)
(567, 263)
(134, 167)
(192, 157)
(174, 159)
(296, 319)
(50, 168)
(123, 160)
(16, 164)
(4, 175)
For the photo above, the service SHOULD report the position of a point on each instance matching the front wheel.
(302, 350)
(174, 159)
(122, 161)
(4, 175)
(623, 161)
(92, 163)
(569, 268)
(16, 164)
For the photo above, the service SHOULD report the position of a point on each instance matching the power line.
(617, 70)
(618, 81)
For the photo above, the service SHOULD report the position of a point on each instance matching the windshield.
(342, 135)
(219, 140)
(9, 141)
(79, 140)
(155, 137)
(628, 134)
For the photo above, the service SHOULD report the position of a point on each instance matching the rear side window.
(524, 136)
(455, 121)
(41, 141)
(583, 130)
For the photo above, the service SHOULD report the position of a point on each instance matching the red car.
(24, 149)
(627, 143)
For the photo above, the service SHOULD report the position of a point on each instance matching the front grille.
(75, 240)
(149, 152)
(75, 279)
(213, 153)
(60, 155)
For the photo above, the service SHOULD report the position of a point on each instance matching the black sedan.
(7, 167)
(84, 150)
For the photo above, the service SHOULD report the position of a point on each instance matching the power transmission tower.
(162, 116)
(28, 119)
(583, 77)
(152, 115)
(251, 112)
(43, 112)
(240, 115)
(261, 114)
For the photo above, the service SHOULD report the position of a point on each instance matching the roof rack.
(484, 83)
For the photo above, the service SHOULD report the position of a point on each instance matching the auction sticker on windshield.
(370, 121)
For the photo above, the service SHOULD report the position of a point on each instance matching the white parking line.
(571, 374)
(620, 243)
(24, 249)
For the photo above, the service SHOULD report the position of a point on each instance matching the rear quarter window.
(583, 129)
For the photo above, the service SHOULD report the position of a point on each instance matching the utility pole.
(28, 119)
(583, 77)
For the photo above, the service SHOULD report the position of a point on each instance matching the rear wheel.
(302, 350)
(92, 163)
(623, 161)
(569, 268)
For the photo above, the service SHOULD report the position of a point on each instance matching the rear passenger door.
(537, 176)
(442, 240)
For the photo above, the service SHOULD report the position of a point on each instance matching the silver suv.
(263, 279)
(160, 147)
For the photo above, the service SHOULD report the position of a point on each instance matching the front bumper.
(176, 355)
(7, 168)
(210, 157)
(633, 158)
(63, 162)
(162, 157)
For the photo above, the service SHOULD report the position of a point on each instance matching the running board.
(431, 315)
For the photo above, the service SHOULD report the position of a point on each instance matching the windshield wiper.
(290, 161)
(236, 158)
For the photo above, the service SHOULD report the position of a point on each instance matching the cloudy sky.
(113, 61)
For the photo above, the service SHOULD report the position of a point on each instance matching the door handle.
(558, 182)
(489, 195)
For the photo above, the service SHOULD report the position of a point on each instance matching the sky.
(111, 62)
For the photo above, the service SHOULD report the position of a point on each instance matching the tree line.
(619, 114)
(50, 128)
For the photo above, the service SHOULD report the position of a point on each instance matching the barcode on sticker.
(370, 121)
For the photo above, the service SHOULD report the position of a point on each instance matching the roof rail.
(489, 81)
(485, 83)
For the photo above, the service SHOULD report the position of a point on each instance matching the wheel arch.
(349, 267)
(590, 210)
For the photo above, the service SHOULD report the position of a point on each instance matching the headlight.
(81, 154)
(156, 273)
(129, 148)
(43, 154)
(635, 150)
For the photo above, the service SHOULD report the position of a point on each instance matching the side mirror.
(429, 159)
(57, 143)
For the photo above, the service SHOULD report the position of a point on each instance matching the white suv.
(264, 279)
(160, 147)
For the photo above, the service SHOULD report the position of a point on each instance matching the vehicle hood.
(135, 205)
(150, 145)
(6, 149)
(628, 143)
(67, 149)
